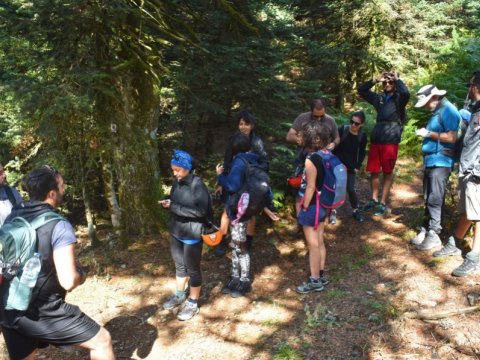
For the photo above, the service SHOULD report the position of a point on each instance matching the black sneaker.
(370, 205)
(449, 249)
(241, 289)
(231, 285)
(468, 267)
(357, 215)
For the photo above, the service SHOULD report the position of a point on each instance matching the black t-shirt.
(352, 149)
(317, 161)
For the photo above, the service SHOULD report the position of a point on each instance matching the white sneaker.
(418, 239)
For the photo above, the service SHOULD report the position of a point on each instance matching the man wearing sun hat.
(438, 146)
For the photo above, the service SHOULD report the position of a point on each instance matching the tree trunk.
(92, 234)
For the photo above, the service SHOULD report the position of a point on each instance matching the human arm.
(311, 176)
(444, 137)
(233, 181)
(362, 150)
(364, 90)
(293, 136)
(69, 276)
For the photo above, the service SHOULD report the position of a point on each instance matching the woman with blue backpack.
(312, 214)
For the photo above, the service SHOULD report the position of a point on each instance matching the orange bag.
(294, 182)
(213, 236)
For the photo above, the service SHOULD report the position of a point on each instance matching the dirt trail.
(375, 277)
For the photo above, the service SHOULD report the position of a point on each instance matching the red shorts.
(382, 157)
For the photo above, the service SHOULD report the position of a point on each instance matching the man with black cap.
(391, 115)
(438, 147)
(469, 190)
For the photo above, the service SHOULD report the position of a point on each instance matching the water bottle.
(31, 269)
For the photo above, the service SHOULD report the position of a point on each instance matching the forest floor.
(376, 277)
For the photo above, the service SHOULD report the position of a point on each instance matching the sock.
(180, 293)
(192, 301)
(315, 278)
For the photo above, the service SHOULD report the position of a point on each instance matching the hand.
(165, 203)
(219, 169)
(396, 75)
(218, 191)
(81, 272)
(422, 132)
(331, 146)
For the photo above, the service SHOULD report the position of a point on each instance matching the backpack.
(18, 242)
(251, 198)
(334, 189)
(458, 145)
(11, 197)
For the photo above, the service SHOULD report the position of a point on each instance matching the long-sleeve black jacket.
(391, 113)
(190, 207)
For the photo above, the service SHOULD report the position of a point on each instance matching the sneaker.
(324, 280)
(468, 267)
(310, 286)
(333, 217)
(418, 239)
(357, 215)
(231, 285)
(449, 249)
(432, 240)
(380, 209)
(173, 301)
(370, 205)
(241, 289)
(188, 311)
(221, 248)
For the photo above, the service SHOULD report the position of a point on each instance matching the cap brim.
(423, 102)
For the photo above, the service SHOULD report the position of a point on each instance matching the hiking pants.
(352, 195)
(434, 185)
(187, 260)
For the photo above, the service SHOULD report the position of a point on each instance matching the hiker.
(386, 134)
(351, 151)
(239, 283)
(438, 147)
(49, 320)
(9, 196)
(469, 190)
(316, 114)
(316, 136)
(246, 123)
(190, 208)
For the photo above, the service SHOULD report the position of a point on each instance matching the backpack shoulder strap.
(11, 197)
(45, 218)
(346, 130)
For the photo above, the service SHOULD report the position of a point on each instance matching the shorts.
(239, 232)
(382, 157)
(307, 217)
(56, 323)
(469, 198)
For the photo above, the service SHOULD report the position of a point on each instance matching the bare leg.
(100, 346)
(387, 184)
(195, 292)
(316, 248)
(462, 227)
(181, 283)
(374, 184)
(476, 238)
(224, 222)
(251, 226)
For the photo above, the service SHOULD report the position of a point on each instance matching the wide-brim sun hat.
(426, 93)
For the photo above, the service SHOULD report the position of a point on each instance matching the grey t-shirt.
(470, 158)
(329, 121)
(63, 235)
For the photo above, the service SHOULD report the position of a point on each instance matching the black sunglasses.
(469, 84)
(355, 123)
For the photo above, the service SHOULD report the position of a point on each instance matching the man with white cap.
(469, 190)
(438, 155)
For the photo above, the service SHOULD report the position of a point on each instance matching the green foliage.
(285, 351)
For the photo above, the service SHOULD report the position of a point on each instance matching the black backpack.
(255, 184)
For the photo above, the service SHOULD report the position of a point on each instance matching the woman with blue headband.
(190, 206)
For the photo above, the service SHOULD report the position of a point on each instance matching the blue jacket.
(234, 180)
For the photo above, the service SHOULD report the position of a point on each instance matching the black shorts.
(56, 323)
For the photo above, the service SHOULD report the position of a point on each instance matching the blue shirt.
(432, 148)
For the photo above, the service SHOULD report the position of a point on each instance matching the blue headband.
(182, 159)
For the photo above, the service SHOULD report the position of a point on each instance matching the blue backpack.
(334, 190)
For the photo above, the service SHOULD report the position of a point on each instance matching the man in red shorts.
(386, 134)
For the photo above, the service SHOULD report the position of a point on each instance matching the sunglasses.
(388, 82)
(469, 84)
(355, 123)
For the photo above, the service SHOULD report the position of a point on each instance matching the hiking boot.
(221, 248)
(231, 285)
(357, 215)
(324, 280)
(310, 286)
(380, 209)
(432, 240)
(449, 249)
(370, 205)
(333, 217)
(188, 311)
(468, 267)
(241, 289)
(418, 239)
(173, 301)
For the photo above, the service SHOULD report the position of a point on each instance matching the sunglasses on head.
(355, 123)
(52, 169)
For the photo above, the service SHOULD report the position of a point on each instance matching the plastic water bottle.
(31, 269)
